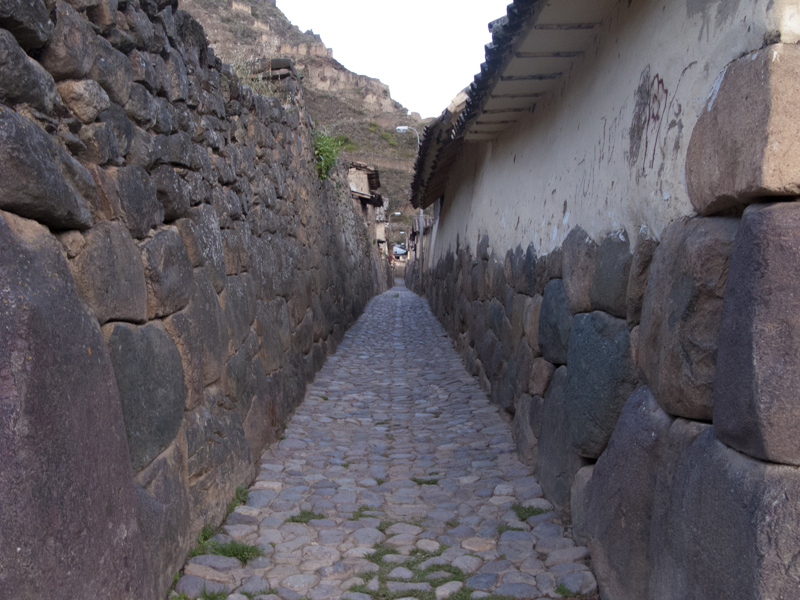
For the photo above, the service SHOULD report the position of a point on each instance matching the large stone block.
(130, 191)
(73, 47)
(85, 98)
(149, 376)
(65, 478)
(578, 267)
(637, 280)
(557, 460)
(621, 493)
(758, 363)
(22, 79)
(265, 418)
(530, 322)
(611, 272)
(601, 377)
(219, 456)
(743, 144)
(555, 323)
(524, 416)
(274, 331)
(201, 334)
(240, 305)
(682, 434)
(113, 71)
(579, 504)
(122, 127)
(171, 192)
(28, 21)
(168, 272)
(209, 242)
(109, 275)
(681, 314)
(164, 517)
(733, 523)
(38, 183)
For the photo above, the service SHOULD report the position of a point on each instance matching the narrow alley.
(395, 478)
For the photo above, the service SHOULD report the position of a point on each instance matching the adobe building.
(616, 253)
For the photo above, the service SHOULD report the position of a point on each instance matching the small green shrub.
(380, 480)
(239, 498)
(525, 512)
(206, 595)
(374, 126)
(565, 591)
(304, 517)
(326, 152)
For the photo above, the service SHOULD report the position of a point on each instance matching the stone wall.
(173, 273)
(653, 384)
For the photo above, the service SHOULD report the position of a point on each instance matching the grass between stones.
(304, 517)
(417, 556)
(252, 595)
(361, 510)
(501, 529)
(240, 498)
(526, 512)
(380, 480)
(420, 481)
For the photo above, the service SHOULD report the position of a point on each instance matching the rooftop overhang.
(533, 48)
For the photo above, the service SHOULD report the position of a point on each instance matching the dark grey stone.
(113, 71)
(63, 458)
(220, 563)
(40, 188)
(131, 189)
(482, 581)
(732, 523)
(149, 375)
(555, 323)
(168, 272)
(73, 46)
(193, 586)
(99, 144)
(240, 306)
(171, 192)
(29, 22)
(254, 585)
(557, 460)
(22, 79)
(578, 267)
(621, 494)
(601, 377)
(209, 242)
(611, 273)
(758, 363)
(122, 127)
(109, 275)
(517, 590)
(637, 279)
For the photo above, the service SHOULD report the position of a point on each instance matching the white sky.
(426, 51)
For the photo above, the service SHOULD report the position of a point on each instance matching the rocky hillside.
(356, 107)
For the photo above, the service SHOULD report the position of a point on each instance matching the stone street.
(395, 478)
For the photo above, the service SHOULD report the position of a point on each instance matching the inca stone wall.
(172, 274)
(653, 384)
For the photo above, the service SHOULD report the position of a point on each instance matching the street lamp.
(405, 128)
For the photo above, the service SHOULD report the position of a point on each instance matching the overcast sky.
(425, 50)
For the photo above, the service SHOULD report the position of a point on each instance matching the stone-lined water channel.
(412, 478)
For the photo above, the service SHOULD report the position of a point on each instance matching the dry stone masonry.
(653, 386)
(396, 476)
(172, 275)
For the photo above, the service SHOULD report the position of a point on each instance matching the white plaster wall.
(574, 161)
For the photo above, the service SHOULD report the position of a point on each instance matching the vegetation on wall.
(326, 151)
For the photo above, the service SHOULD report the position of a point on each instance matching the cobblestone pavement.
(413, 477)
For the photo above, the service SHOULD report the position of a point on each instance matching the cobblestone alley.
(413, 479)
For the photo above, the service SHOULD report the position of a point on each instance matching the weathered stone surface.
(579, 504)
(201, 334)
(73, 47)
(22, 79)
(682, 434)
(164, 517)
(681, 314)
(141, 106)
(109, 275)
(219, 457)
(732, 524)
(177, 84)
(122, 127)
(57, 378)
(758, 364)
(578, 267)
(742, 146)
(100, 144)
(541, 374)
(637, 280)
(42, 187)
(133, 191)
(530, 322)
(274, 330)
(149, 375)
(621, 498)
(168, 272)
(29, 22)
(555, 323)
(610, 282)
(113, 71)
(209, 242)
(85, 98)
(240, 306)
(601, 378)
(170, 191)
(527, 443)
(558, 461)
